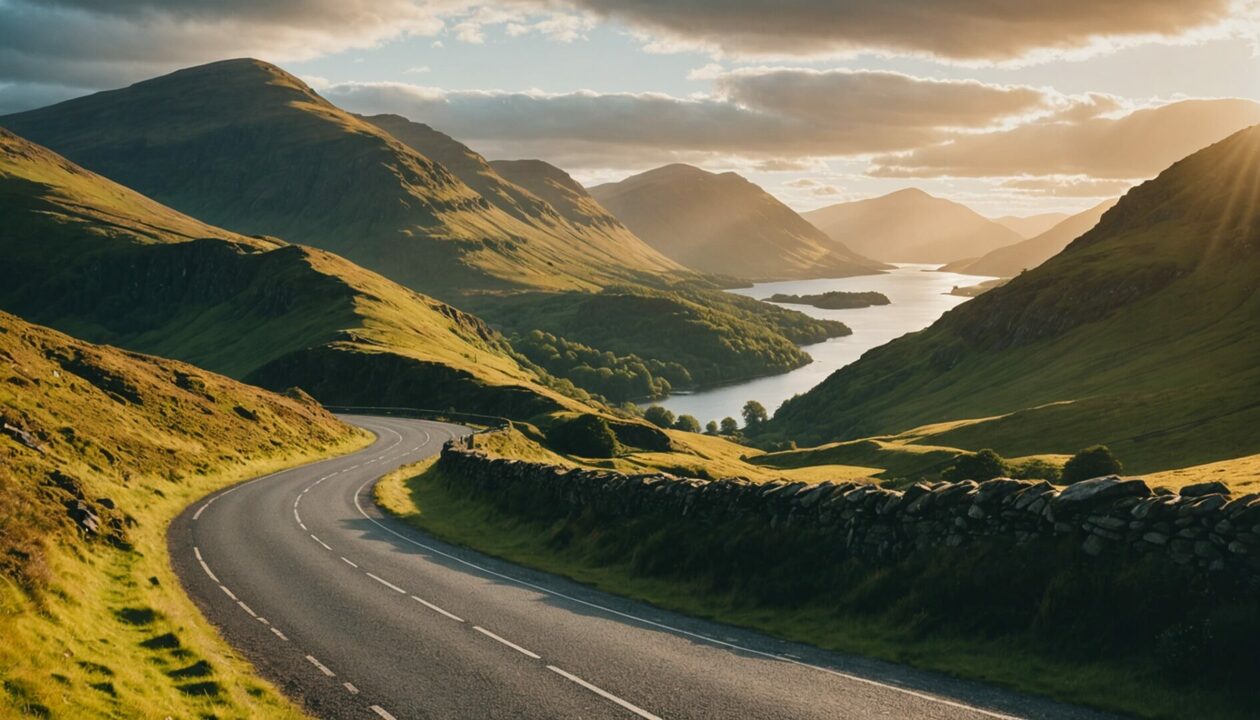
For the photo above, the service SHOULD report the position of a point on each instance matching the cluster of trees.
(617, 378)
(754, 414)
(986, 464)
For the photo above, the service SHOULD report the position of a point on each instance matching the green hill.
(90, 257)
(244, 145)
(726, 225)
(99, 449)
(1011, 260)
(1140, 335)
(535, 194)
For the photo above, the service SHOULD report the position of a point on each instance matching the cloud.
(777, 115)
(1068, 187)
(1137, 145)
(966, 30)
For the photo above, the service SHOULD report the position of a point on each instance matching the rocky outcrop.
(1205, 529)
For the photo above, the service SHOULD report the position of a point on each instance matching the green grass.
(626, 559)
(97, 626)
(92, 258)
(1140, 336)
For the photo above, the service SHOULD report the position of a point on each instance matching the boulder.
(1089, 493)
(1205, 488)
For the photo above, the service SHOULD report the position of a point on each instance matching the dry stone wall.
(1204, 527)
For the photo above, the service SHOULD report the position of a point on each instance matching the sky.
(1017, 107)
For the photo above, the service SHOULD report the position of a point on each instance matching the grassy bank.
(965, 617)
(101, 449)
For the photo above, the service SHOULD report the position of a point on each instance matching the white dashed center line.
(604, 694)
(387, 584)
(435, 608)
(279, 634)
(350, 562)
(350, 688)
(322, 668)
(381, 711)
(508, 643)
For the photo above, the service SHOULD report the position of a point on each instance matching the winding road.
(357, 615)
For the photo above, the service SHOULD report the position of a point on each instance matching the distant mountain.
(534, 192)
(1013, 259)
(723, 224)
(1140, 335)
(912, 226)
(244, 145)
(1031, 225)
(92, 258)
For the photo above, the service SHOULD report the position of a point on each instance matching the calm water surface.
(919, 296)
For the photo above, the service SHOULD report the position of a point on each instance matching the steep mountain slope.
(1140, 335)
(244, 145)
(93, 258)
(912, 226)
(726, 225)
(99, 449)
(1031, 225)
(579, 225)
(1013, 259)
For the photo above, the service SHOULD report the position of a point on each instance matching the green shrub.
(659, 416)
(584, 435)
(687, 423)
(1091, 462)
(979, 466)
(1036, 470)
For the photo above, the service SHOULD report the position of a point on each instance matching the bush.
(659, 416)
(1036, 470)
(584, 435)
(711, 428)
(1092, 462)
(979, 466)
(687, 423)
(729, 426)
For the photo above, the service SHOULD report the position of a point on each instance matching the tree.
(754, 415)
(586, 435)
(1091, 462)
(659, 416)
(688, 423)
(979, 466)
(711, 428)
(729, 426)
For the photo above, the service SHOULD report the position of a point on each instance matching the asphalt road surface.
(356, 615)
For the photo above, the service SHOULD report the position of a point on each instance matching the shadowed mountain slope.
(244, 145)
(1142, 335)
(1011, 260)
(723, 224)
(90, 257)
(913, 227)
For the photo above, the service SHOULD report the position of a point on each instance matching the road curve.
(356, 615)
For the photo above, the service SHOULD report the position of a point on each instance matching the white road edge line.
(247, 608)
(386, 583)
(509, 643)
(381, 711)
(435, 608)
(322, 667)
(227, 592)
(675, 630)
(604, 694)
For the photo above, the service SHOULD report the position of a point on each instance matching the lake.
(919, 296)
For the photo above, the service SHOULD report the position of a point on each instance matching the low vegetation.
(685, 336)
(833, 300)
(100, 450)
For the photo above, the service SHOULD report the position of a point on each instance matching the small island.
(834, 300)
(978, 289)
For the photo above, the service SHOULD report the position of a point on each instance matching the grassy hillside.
(912, 226)
(93, 258)
(1011, 260)
(1140, 335)
(246, 146)
(711, 335)
(537, 195)
(725, 225)
(100, 449)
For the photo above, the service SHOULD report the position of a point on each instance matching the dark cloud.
(955, 29)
